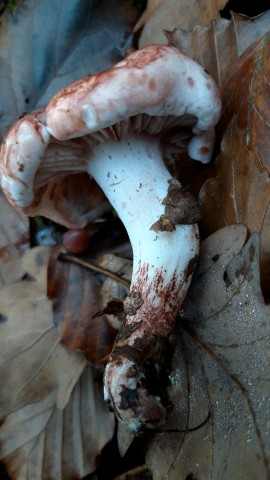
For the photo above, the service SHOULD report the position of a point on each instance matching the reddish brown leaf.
(246, 94)
(75, 295)
(240, 191)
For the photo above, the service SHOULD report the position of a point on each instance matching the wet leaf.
(166, 15)
(38, 57)
(76, 298)
(220, 382)
(240, 190)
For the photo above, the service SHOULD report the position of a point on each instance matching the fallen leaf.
(54, 420)
(75, 292)
(30, 347)
(240, 190)
(166, 15)
(220, 381)
(41, 441)
(218, 47)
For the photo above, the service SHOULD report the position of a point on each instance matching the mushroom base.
(137, 378)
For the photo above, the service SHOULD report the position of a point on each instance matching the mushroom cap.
(60, 196)
(157, 80)
(155, 90)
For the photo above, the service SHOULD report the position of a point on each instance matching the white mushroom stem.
(133, 176)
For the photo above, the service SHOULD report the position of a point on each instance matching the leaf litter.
(55, 422)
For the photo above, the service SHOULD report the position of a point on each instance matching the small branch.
(94, 268)
(136, 472)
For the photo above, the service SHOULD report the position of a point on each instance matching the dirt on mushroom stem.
(132, 174)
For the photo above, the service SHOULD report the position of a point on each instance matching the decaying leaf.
(38, 57)
(166, 15)
(221, 375)
(240, 191)
(218, 47)
(55, 421)
(76, 297)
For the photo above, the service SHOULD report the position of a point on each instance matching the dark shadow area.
(251, 9)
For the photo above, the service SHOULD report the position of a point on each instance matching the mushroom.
(117, 125)
(54, 193)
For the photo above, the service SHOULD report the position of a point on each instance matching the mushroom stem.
(133, 176)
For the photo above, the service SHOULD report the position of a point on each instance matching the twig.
(94, 268)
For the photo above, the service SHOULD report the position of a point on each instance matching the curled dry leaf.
(76, 299)
(166, 15)
(54, 419)
(240, 191)
(218, 47)
(220, 382)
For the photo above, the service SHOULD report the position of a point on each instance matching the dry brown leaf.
(41, 441)
(240, 191)
(76, 298)
(166, 15)
(220, 382)
(219, 46)
(30, 347)
(14, 240)
(55, 420)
